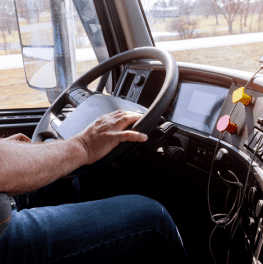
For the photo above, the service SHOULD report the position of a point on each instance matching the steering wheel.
(96, 104)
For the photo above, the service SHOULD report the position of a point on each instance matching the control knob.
(224, 124)
(240, 96)
(139, 80)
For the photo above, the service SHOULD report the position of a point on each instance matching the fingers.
(131, 136)
(23, 138)
(125, 119)
(106, 132)
(19, 137)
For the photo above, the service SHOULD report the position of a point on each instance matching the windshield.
(51, 43)
(212, 32)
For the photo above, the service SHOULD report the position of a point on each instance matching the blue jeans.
(121, 229)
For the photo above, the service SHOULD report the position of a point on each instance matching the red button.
(224, 124)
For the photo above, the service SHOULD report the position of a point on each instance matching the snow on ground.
(16, 61)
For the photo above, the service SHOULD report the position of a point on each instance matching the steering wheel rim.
(151, 115)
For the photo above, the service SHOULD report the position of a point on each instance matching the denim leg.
(121, 229)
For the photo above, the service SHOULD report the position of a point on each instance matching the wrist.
(79, 150)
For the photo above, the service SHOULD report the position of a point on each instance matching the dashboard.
(202, 97)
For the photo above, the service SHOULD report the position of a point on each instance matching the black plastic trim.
(146, 22)
(119, 34)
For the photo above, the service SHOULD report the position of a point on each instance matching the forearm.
(26, 167)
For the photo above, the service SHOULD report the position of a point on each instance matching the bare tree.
(203, 8)
(214, 9)
(7, 15)
(174, 3)
(260, 8)
(230, 9)
(7, 20)
(185, 28)
(32, 9)
(247, 8)
(164, 6)
(186, 8)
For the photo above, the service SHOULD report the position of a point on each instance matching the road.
(15, 61)
(210, 42)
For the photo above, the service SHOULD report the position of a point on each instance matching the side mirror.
(36, 39)
(46, 32)
(39, 67)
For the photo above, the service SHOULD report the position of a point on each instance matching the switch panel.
(77, 96)
(253, 141)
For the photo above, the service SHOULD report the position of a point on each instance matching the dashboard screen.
(197, 105)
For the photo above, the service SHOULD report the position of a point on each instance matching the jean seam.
(104, 243)
(6, 219)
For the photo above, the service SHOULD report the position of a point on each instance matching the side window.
(55, 50)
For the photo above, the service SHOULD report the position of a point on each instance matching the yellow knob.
(240, 96)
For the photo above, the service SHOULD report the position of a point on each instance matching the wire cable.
(253, 76)
(210, 247)
(210, 175)
(224, 219)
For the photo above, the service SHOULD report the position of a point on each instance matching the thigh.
(119, 229)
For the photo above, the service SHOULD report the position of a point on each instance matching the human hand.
(18, 137)
(106, 132)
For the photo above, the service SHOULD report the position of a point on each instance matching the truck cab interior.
(200, 95)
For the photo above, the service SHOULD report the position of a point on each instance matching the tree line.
(231, 10)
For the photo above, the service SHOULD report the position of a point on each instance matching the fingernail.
(144, 137)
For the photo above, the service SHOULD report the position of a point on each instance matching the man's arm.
(25, 167)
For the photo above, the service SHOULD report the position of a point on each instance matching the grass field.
(240, 57)
(15, 92)
(209, 27)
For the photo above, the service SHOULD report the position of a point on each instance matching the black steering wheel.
(96, 104)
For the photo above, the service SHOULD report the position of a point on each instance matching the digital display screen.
(202, 103)
(197, 105)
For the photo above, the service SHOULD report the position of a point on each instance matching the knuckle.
(128, 135)
(108, 135)
(125, 118)
(103, 128)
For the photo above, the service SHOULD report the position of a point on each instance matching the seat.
(5, 212)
